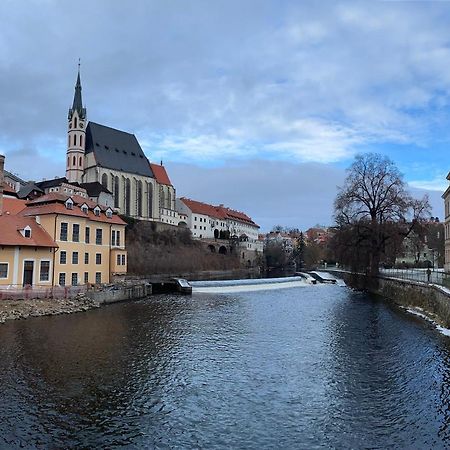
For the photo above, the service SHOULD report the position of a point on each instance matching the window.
(85, 209)
(98, 236)
(87, 233)
(118, 238)
(27, 232)
(113, 237)
(109, 213)
(75, 122)
(86, 277)
(63, 257)
(195, 227)
(98, 258)
(80, 156)
(97, 211)
(123, 260)
(44, 274)
(118, 260)
(75, 258)
(62, 279)
(3, 270)
(98, 277)
(86, 258)
(75, 232)
(81, 143)
(63, 233)
(74, 279)
(74, 143)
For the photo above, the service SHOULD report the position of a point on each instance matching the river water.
(303, 367)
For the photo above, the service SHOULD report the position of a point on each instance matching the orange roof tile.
(219, 212)
(203, 208)
(13, 205)
(11, 235)
(160, 174)
(54, 203)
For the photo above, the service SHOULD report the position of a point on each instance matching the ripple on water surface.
(301, 367)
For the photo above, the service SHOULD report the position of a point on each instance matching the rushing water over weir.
(230, 367)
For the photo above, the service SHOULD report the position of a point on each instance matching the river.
(303, 367)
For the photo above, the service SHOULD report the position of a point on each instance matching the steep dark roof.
(94, 189)
(26, 190)
(117, 150)
(51, 183)
(14, 177)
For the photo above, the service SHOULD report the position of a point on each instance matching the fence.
(434, 276)
(35, 292)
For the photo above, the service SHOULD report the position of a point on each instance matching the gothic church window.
(116, 192)
(74, 139)
(105, 181)
(74, 161)
(139, 198)
(150, 199)
(75, 124)
(127, 197)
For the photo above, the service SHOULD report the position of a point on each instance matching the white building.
(446, 197)
(219, 222)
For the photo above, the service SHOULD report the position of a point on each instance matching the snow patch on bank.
(422, 314)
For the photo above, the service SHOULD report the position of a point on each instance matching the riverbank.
(433, 300)
(23, 309)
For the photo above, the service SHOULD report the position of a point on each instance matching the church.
(100, 155)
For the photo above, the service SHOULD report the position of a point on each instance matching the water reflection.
(312, 367)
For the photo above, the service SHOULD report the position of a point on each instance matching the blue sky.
(257, 104)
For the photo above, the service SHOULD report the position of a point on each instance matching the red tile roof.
(11, 235)
(13, 205)
(160, 174)
(54, 203)
(203, 208)
(219, 212)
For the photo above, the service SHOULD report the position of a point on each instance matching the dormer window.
(26, 232)
(97, 211)
(109, 213)
(84, 208)
(69, 203)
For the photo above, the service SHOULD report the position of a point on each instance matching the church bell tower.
(76, 136)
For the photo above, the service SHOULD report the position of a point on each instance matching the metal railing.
(436, 276)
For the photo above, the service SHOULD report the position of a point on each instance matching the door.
(28, 273)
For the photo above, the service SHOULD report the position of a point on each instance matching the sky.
(259, 105)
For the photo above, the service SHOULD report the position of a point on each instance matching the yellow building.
(90, 238)
(26, 252)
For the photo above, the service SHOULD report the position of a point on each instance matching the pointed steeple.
(77, 101)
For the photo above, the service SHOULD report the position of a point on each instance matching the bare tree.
(371, 208)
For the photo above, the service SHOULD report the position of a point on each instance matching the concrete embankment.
(23, 308)
(432, 299)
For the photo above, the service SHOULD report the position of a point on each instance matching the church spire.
(77, 101)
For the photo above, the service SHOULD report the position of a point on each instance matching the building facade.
(59, 239)
(446, 197)
(113, 158)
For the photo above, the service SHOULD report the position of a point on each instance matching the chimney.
(2, 165)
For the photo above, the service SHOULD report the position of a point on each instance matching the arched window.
(68, 140)
(68, 161)
(150, 199)
(75, 123)
(127, 197)
(74, 139)
(116, 192)
(162, 199)
(80, 162)
(74, 161)
(105, 181)
(81, 140)
(139, 198)
(169, 199)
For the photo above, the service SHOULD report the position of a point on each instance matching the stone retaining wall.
(433, 299)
